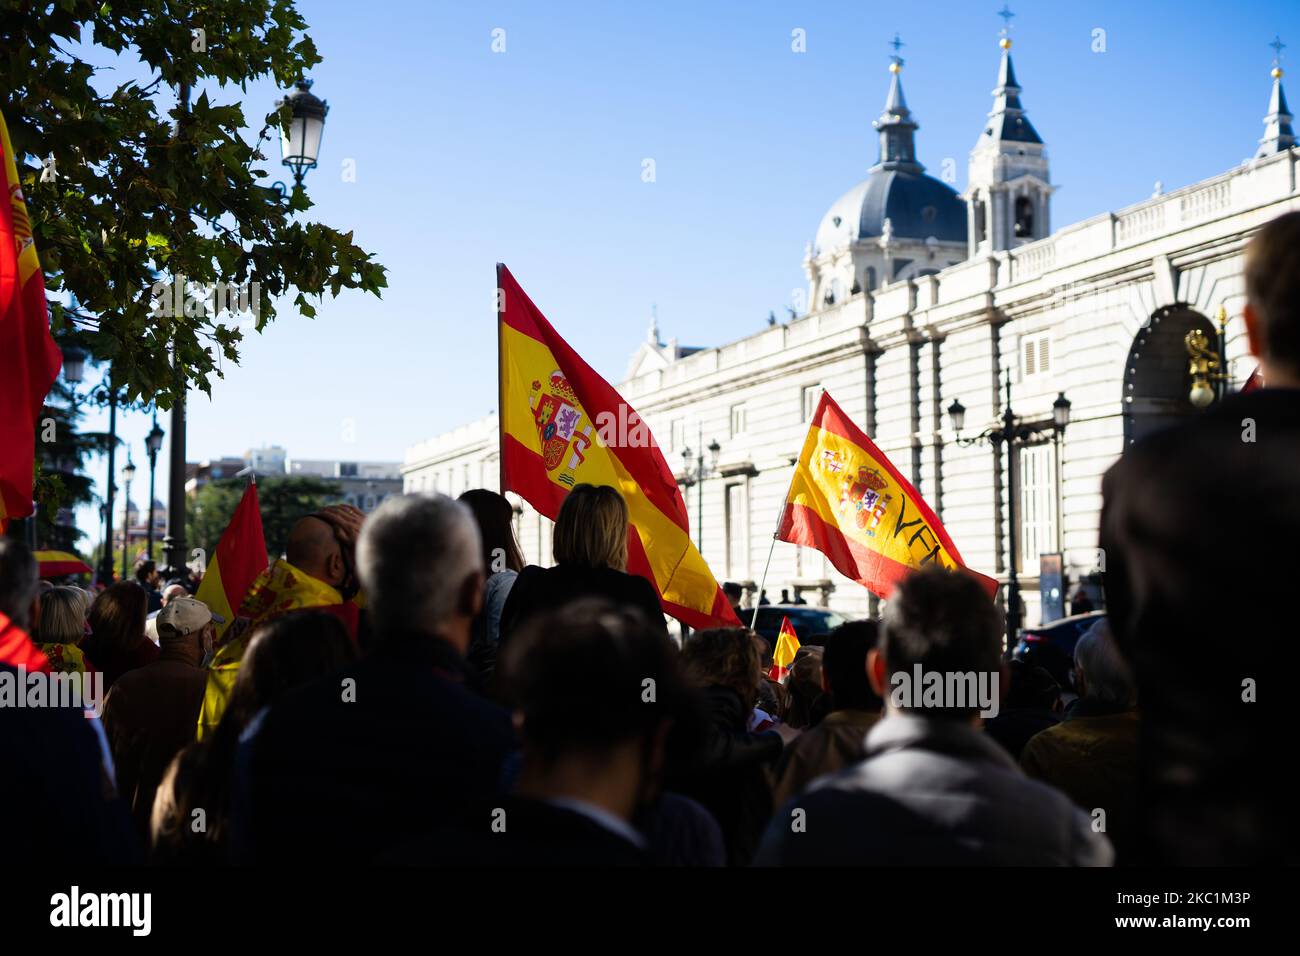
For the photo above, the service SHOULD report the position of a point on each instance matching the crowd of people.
(429, 699)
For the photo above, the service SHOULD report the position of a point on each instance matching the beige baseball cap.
(184, 615)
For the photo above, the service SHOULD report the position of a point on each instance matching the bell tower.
(1009, 188)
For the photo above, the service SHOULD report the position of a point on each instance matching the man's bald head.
(313, 549)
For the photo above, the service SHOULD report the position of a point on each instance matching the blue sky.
(465, 157)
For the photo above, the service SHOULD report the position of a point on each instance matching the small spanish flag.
(563, 425)
(787, 645)
(240, 558)
(849, 502)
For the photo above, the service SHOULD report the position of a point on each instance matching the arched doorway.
(1156, 380)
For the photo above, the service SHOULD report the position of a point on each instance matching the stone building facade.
(1097, 311)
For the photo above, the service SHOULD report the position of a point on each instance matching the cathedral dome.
(917, 207)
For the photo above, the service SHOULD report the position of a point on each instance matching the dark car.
(1051, 646)
(811, 624)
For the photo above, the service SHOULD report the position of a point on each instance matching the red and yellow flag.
(787, 645)
(240, 558)
(29, 359)
(562, 425)
(849, 502)
(54, 564)
(17, 649)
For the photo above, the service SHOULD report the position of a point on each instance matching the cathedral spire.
(895, 125)
(1007, 121)
(1278, 134)
(1009, 192)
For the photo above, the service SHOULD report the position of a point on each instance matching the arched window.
(1024, 218)
(836, 291)
(979, 220)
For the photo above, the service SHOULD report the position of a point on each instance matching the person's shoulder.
(634, 586)
(500, 582)
(128, 681)
(531, 577)
(830, 822)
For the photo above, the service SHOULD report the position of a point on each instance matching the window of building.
(739, 420)
(809, 396)
(1024, 218)
(870, 279)
(347, 469)
(979, 220)
(677, 435)
(737, 531)
(1035, 354)
(1038, 517)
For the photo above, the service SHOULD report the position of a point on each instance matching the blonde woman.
(62, 627)
(590, 547)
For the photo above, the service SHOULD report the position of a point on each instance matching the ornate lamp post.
(300, 144)
(1014, 434)
(153, 443)
(696, 477)
(128, 473)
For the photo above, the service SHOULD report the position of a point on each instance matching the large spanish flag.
(556, 414)
(29, 359)
(240, 558)
(849, 502)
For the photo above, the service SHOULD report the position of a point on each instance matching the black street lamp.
(696, 477)
(74, 364)
(1014, 434)
(152, 442)
(128, 473)
(300, 143)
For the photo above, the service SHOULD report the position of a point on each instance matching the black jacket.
(1198, 532)
(328, 781)
(538, 590)
(728, 771)
(57, 800)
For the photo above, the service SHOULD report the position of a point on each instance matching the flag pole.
(501, 390)
(780, 519)
(763, 583)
